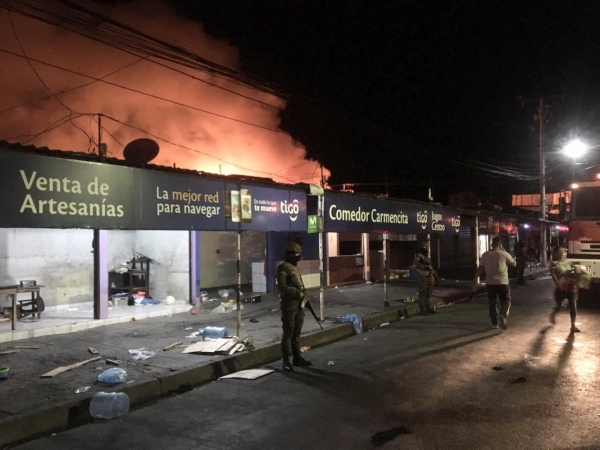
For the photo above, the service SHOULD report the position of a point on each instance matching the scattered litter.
(26, 347)
(364, 339)
(304, 349)
(112, 362)
(172, 346)
(82, 389)
(369, 282)
(108, 405)
(519, 380)
(273, 310)
(62, 369)
(4, 371)
(115, 375)
(355, 319)
(530, 357)
(254, 320)
(188, 328)
(220, 346)
(72, 309)
(141, 354)
(331, 363)
(98, 368)
(193, 335)
(92, 350)
(133, 319)
(384, 324)
(497, 368)
(213, 333)
(193, 312)
(53, 434)
(130, 381)
(251, 374)
(8, 352)
(169, 300)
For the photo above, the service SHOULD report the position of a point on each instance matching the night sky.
(408, 92)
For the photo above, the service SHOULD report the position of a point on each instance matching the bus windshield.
(586, 203)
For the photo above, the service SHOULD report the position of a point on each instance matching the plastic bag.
(115, 375)
(354, 319)
(141, 354)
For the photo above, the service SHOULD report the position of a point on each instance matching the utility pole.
(542, 115)
(101, 147)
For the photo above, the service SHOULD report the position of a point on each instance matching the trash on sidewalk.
(108, 405)
(369, 282)
(497, 368)
(93, 351)
(141, 354)
(251, 374)
(112, 362)
(116, 375)
(8, 352)
(26, 347)
(519, 380)
(220, 346)
(193, 335)
(211, 333)
(133, 319)
(331, 363)
(226, 307)
(81, 390)
(254, 320)
(193, 312)
(62, 369)
(172, 346)
(4, 371)
(188, 328)
(384, 324)
(355, 319)
(169, 300)
(304, 349)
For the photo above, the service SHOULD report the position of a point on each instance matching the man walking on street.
(426, 273)
(495, 264)
(293, 295)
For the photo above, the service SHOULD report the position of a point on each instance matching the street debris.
(304, 349)
(331, 363)
(497, 368)
(355, 319)
(82, 389)
(108, 405)
(141, 354)
(4, 371)
(115, 375)
(112, 362)
(519, 380)
(26, 347)
(254, 320)
(220, 346)
(93, 351)
(172, 346)
(188, 328)
(251, 374)
(8, 352)
(384, 324)
(133, 319)
(62, 369)
(193, 312)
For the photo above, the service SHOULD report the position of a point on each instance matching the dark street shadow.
(565, 353)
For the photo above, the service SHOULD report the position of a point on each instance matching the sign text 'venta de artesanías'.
(40, 184)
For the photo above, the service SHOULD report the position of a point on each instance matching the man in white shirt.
(495, 264)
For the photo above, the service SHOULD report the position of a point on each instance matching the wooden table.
(12, 290)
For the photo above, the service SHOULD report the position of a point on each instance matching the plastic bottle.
(115, 375)
(108, 405)
(214, 333)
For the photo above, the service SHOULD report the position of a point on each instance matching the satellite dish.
(141, 151)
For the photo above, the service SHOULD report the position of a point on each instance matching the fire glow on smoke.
(215, 144)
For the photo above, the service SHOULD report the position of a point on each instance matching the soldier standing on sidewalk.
(293, 295)
(426, 272)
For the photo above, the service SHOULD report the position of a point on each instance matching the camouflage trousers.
(292, 319)
(424, 291)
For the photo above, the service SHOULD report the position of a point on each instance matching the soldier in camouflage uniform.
(426, 272)
(293, 294)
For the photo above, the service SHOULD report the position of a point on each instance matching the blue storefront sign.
(346, 213)
(49, 192)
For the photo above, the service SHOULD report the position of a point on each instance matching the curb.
(68, 414)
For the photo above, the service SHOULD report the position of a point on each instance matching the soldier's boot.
(287, 365)
(301, 362)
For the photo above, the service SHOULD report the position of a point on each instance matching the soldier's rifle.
(308, 305)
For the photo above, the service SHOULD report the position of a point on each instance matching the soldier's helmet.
(424, 245)
(293, 247)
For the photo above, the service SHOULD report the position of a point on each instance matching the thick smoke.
(28, 110)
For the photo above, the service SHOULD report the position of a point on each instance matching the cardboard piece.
(251, 374)
(218, 346)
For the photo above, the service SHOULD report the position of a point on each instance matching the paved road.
(423, 383)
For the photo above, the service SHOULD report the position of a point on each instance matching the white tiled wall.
(259, 281)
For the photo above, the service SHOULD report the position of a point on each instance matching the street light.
(575, 149)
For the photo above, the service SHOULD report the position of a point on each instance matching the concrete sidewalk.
(32, 406)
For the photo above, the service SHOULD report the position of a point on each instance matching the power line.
(144, 93)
